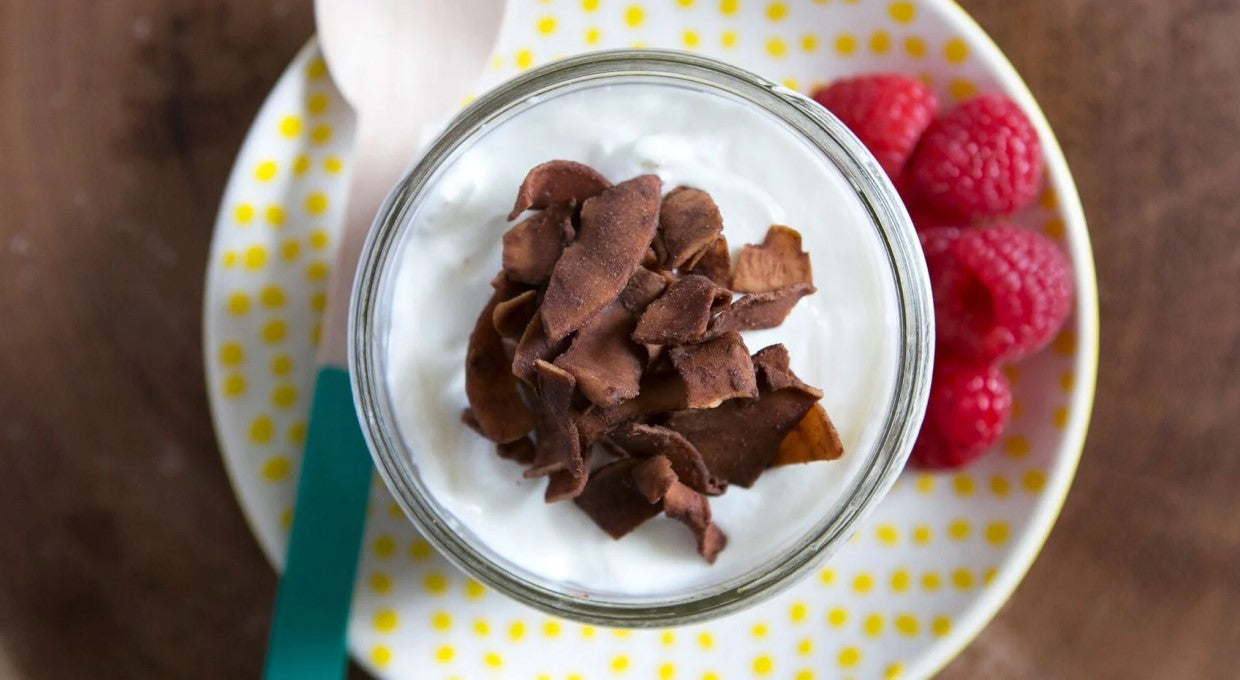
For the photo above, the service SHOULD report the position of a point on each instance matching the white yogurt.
(843, 339)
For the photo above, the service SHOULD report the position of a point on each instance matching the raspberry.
(999, 293)
(936, 245)
(969, 406)
(925, 216)
(981, 159)
(887, 111)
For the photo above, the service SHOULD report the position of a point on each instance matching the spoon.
(400, 64)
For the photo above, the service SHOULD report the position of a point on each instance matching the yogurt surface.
(843, 339)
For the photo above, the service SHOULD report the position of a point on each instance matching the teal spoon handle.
(308, 631)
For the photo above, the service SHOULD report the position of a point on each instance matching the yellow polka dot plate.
(917, 581)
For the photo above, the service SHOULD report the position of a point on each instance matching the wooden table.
(123, 554)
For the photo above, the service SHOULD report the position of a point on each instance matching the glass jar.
(371, 321)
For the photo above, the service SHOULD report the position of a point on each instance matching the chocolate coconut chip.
(557, 182)
(715, 371)
(612, 500)
(489, 384)
(759, 310)
(648, 441)
(659, 393)
(564, 485)
(519, 451)
(470, 420)
(533, 246)
(616, 228)
(777, 263)
(690, 507)
(559, 446)
(689, 221)
(511, 317)
(772, 366)
(653, 477)
(681, 315)
(657, 482)
(739, 438)
(715, 263)
(814, 438)
(533, 346)
(605, 362)
(643, 288)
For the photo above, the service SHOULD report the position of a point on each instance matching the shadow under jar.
(766, 155)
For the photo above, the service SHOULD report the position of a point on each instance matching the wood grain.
(124, 554)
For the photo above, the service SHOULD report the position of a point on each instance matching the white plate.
(916, 583)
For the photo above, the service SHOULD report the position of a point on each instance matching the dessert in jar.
(862, 335)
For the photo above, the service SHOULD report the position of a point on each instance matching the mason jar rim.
(826, 135)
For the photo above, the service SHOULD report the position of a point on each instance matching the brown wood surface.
(123, 553)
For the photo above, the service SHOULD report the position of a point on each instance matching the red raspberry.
(999, 293)
(981, 159)
(887, 111)
(927, 217)
(923, 214)
(969, 407)
(936, 245)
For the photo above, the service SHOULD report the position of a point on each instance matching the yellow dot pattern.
(386, 620)
(873, 625)
(255, 257)
(384, 546)
(243, 213)
(900, 580)
(274, 214)
(798, 612)
(961, 89)
(276, 469)
(321, 134)
(837, 617)
(290, 126)
(379, 583)
(267, 279)
(902, 12)
(473, 589)
(845, 44)
(234, 385)
(380, 656)
(441, 620)
(880, 42)
(297, 433)
(420, 550)
(915, 47)
(265, 171)
(956, 50)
